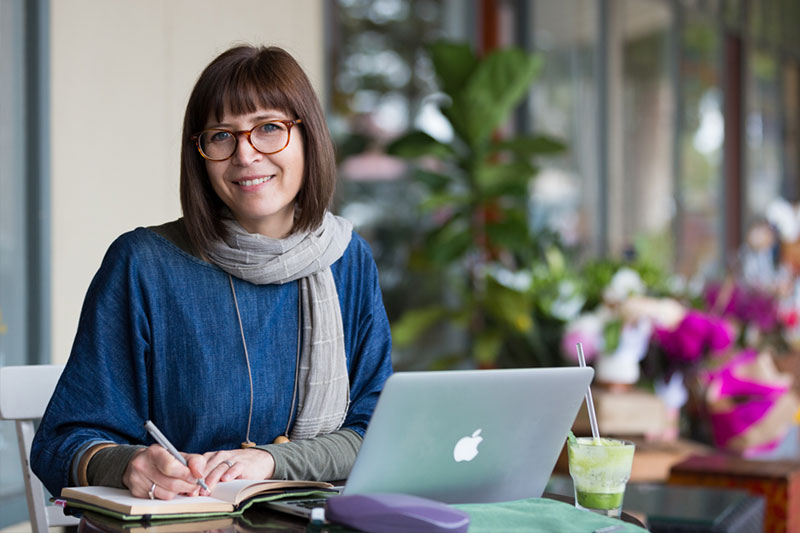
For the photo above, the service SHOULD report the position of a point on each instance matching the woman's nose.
(245, 154)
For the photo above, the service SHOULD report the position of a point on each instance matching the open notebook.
(228, 498)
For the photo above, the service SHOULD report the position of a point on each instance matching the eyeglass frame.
(247, 133)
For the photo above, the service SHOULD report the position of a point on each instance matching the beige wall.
(121, 73)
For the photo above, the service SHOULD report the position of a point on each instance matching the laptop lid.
(469, 436)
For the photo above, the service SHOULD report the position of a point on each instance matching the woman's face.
(259, 189)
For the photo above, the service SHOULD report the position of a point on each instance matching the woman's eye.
(220, 136)
(270, 128)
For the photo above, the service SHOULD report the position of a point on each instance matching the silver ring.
(151, 493)
(230, 464)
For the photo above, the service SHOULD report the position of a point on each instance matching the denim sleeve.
(102, 393)
(369, 353)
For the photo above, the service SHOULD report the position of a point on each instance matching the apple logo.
(467, 447)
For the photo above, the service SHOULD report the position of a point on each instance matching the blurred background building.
(681, 120)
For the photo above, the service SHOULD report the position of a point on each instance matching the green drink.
(600, 468)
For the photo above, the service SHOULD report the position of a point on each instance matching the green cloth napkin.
(538, 514)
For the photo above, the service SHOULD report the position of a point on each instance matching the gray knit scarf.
(323, 384)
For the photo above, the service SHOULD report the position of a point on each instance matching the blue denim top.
(158, 339)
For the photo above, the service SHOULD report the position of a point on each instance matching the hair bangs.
(252, 87)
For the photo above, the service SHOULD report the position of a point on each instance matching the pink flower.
(588, 330)
(695, 336)
(572, 338)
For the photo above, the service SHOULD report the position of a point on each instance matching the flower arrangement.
(716, 354)
(696, 336)
(616, 333)
(710, 354)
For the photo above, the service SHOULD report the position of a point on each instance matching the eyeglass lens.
(267, 138)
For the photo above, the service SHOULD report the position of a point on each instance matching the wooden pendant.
(280, 439)
(248, 444)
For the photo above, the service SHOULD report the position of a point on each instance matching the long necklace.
(280, 439)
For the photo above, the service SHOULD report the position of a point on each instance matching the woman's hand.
(154, 468)
(226, 465)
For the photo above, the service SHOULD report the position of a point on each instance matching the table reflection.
(253, 521)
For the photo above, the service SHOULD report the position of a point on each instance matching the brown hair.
(242, 80)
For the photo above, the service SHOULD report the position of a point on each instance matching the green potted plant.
(476, 234)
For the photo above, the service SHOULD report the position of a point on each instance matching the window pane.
(383, 85)
(700, 145)
(789, 15)
(13, 278)
(754, 19)
(13, 259)
(732, 12)
(564, 104)
(641, 205)
(763, 165)
(791, 141)
(771, 29)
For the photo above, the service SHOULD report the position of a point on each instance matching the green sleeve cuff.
(325, 458)
(108, 465)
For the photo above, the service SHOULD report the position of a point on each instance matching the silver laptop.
(467, 436)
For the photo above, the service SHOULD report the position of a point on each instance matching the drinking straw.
(589, 401)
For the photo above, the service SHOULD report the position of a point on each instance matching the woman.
(251, 331)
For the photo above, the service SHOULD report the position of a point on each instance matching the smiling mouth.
(250, 183)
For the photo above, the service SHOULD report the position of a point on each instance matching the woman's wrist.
(268, 461)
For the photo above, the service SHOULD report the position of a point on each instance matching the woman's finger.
(216, 472)
(211, 461)
(197, 465)
(167, 464)
(233, 471)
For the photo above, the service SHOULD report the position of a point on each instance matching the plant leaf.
(414, 323)
(433, 180)
(448, 362)
(505, 178)
(512, 308)
(529, 146)
(489, 95)
(438, 200)
(487, 346)
(555, 259)
(449, 243)
(418, 144)
(611, 335)
(454, 63)
(510, 232)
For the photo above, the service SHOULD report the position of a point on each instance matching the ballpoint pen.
(162, 440)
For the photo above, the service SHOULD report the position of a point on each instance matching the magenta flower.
(746, 304)
(695, 336)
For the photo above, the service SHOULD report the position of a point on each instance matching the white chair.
(24, 393)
